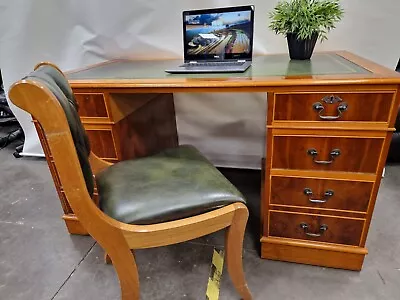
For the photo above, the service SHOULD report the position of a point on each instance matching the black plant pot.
(301, 49)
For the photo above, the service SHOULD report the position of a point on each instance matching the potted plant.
(303, 22)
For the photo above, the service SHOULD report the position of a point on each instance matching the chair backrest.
(54, 80)
(47, 96)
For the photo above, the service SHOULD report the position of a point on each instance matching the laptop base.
(214, 69)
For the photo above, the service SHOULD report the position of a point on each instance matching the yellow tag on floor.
(214, 280)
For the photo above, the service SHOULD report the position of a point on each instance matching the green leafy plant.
(305, 17)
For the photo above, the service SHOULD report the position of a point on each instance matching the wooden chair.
(184, 196)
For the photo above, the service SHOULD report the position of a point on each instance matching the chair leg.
(234, 249)
(107, 258)
(125, 266)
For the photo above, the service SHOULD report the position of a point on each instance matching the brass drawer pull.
(322, 229)
(327, 195)
(319, 107)
(314, 153)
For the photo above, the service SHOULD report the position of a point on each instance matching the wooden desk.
(329, 126)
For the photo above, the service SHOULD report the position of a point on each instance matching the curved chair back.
(47, 96)
(51, 78)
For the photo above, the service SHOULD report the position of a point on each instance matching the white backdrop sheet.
(228, 128)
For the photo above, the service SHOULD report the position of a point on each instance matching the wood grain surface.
(339, 230)
(356, 154)
(367, 106)
(347, 195)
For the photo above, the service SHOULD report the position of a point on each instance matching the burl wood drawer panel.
(366, 106)
(91, 105)
(316, 228)
(102, 143)
(320, 193)
(347, 154)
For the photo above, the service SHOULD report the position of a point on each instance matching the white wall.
(77, 33)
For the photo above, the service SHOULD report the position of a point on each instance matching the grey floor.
(40, 260)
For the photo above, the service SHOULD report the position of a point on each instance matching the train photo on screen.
(218, 34)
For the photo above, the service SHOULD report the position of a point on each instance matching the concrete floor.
(40, 260)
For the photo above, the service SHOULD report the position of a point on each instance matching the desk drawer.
(316, 228)
(91, 105)
(102, 143)
(347, 154)
(362, 107)
(321, 193)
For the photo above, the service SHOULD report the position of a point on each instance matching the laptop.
(217, 40)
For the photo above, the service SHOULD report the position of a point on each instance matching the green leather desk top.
(265, 71)
(270, 65)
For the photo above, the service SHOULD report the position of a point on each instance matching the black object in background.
(8, 119)
(394, 150)
(6, 115)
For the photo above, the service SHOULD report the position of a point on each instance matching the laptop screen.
(218, 34)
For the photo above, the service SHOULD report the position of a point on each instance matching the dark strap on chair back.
(55, 81)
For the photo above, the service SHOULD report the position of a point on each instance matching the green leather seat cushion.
(174, 184)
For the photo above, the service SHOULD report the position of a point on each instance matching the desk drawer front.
(346, 154)
(367, 107)
(321, 193)
(316, 228)
(91, 105)
(102, 143)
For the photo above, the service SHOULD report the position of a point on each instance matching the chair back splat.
(47, 96)
(52, 79)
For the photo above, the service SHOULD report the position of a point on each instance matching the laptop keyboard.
(214, 64)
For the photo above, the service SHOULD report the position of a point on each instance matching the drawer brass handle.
(322, 229)
(314, 153)
(319, 107)
(328, 194)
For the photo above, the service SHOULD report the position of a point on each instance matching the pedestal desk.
(329, 124)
